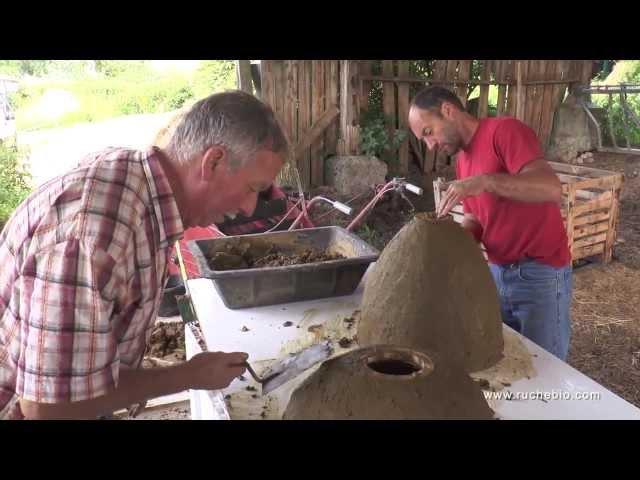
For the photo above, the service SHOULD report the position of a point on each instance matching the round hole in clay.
(398, 363)
(393, 367)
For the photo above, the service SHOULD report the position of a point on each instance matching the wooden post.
(520, 98)
(612, 132)
(364, 68)
(317, 109)
(243, 74)
(483, 99)
(332, 84)
(613, 221)
(570, 202)
(403, 117)
(502, 89)
(345, 107)
(388, 99)
(464, 71)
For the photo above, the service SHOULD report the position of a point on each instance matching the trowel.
(290, 367)
(277, 374)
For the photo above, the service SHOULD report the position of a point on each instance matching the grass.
(56, 100)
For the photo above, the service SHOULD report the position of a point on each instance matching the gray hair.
(234, 119)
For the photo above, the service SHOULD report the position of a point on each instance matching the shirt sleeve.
(68, 349)
(516, 144)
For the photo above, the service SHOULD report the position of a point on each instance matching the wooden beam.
(483, 99)
(436, 81)
(243, 71)
(345, 107)
(316, 130)
(403, 118)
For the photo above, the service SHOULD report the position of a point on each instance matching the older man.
(510, 197)
(84, 261)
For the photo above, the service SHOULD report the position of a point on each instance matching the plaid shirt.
(83, 263)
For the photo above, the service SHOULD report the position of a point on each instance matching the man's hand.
(458, 190)
(205, 371)
(215, 370)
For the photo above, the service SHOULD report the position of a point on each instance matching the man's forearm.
(536, 186)
(134, 386)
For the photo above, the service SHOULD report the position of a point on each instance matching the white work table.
(553, 393)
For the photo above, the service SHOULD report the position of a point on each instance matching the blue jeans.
(535, 300)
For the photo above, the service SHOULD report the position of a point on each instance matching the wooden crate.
(590, 209)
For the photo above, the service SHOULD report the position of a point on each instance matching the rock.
(354, 174)
(571, 132)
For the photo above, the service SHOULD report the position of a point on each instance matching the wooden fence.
(319, 101)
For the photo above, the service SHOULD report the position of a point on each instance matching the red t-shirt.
(511, 230)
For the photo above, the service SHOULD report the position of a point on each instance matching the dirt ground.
(605, 342)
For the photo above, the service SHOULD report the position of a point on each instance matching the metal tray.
(272, 285)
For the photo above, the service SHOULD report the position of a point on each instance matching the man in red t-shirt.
(511, 201)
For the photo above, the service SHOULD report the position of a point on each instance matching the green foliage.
(103, 89)
(624, 71)
(214, 76)
(368, 234)
(374, 137)
(14, 182)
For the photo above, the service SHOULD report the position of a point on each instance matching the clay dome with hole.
(440, 297)
(387, 383)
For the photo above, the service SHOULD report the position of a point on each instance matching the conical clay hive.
(431, 289)
(387, 383)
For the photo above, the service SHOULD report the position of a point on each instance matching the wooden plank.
(581, 171)
(510, 99)
(569, 205)
(559, 90)
(521, 75)
(317, 110)
(304, 118)
(588, 183)
(333, 84)
(593, 229)
(464, 71)
(403, 118)
(364, 69)
(267, 82)
(316, 130)
(591, 240)
(451, 72)
(512, 94)
(291, 95)
(590, 219)
(243, 74)
(612, 226)
(440, 70)
(389, 100)
(539, 69)
(589, 251)
(529, 93)
(345, 110)
(547, 112)
(581, 194)
(483, 99)
(279, 89)
(592, 205)
(569, 178)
